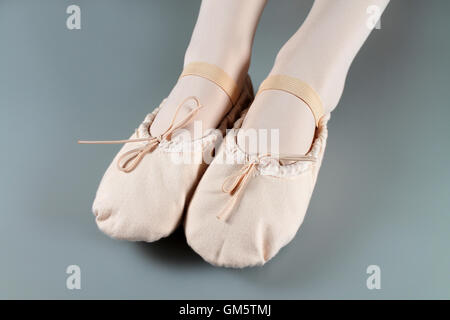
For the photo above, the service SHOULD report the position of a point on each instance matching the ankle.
(323, 70)
(231, 56)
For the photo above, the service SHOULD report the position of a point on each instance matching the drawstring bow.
(129, 160)
(235, 183)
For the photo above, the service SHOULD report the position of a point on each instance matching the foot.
(288, 121)
(215, 104)
(144, 191)
(285, 113)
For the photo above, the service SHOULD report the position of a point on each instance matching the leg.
(319, 53)
(223, 36)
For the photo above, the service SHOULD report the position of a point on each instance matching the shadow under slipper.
(171, 250)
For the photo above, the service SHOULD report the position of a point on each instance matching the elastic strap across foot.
(214, 74)
(299, 89)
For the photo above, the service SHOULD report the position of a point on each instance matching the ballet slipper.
(247, 207)
(143, 193)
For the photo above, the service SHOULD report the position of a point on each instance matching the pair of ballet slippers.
(239, 209)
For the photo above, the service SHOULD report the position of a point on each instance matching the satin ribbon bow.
(128, 161)
(235, 183)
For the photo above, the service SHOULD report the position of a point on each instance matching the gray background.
(382, 196)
